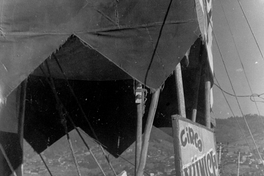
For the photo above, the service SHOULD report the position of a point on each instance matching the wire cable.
(75, 97)
(239, 127)
(252, 96)
(73, 155)
(233, 95)
(62, 114)
(241, 7)
(73, 124)
(157, 43)
(250, 28)
(82, 111)
(44, 162)
(224, 96)
(7, 160)
(240, 60)
(108, 160)
(251, 135)
(96, 138)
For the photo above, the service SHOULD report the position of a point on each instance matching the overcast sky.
(247, 50)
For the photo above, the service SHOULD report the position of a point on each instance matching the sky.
(232, 31)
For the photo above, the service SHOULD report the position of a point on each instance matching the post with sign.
(181, 109)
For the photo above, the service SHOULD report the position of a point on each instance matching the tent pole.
(238, 163)
(207, 103)
(147, 131)
(207, 98)
(196, 94)
(181, 110)
(140, 103)
(21, 116)
(179, 90)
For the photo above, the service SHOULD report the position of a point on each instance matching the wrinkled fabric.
(124, 32)
(95, 40)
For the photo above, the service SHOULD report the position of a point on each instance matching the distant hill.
(233, 136)
(234, 129)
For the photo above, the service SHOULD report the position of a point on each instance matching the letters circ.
(188, 136)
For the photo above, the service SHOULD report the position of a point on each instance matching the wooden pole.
(180, 91)
(176, 144)
(220, 155)
(182, 113)
(238, 163)
(140, 104)
(207, 99)
(139, 137)
(147, 131)
(196, 87)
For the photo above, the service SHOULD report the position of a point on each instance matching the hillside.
(160, 159)
(233, 136)
(234, 128)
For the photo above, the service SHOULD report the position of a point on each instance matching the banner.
(204, 15)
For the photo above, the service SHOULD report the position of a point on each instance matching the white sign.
(197, 149)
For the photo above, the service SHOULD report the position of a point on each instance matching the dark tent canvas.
(101, 47)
